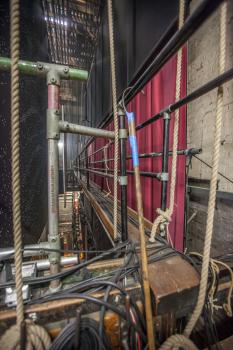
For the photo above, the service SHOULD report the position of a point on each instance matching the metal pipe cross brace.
(42, 68)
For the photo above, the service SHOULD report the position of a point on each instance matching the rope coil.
(37, 338)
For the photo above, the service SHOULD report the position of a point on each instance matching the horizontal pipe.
(185, 152)
(202, 90)
(41, 69)
(85, 130)
(65, 260)
(100, 173)
(192, 23)
(5, 252)
(130, 172)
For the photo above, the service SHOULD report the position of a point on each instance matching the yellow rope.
(115, 115)
(172, 342)
(165, 216)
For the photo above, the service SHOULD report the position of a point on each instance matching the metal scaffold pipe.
(41, 69)
(85, 130)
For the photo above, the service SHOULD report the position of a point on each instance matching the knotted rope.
(172, 342)
(165, 216)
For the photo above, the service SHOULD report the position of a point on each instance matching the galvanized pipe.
(64, 160)
(65, 260)
(85, 130)
(41, 69)
(29, 250)
(53, 168)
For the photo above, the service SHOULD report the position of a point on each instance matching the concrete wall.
(203, 65)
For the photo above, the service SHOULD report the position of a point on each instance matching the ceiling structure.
(72, 27)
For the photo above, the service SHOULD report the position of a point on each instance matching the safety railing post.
(123, 174)
(164, 174)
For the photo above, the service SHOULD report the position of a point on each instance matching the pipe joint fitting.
(54, 76)
(54, 243)
(123, 180)
(53, 131)
(163, 176)
(123, 134)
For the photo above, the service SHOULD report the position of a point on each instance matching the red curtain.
(157, 94)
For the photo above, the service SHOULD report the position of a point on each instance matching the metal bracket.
(123, 134)
(53, 131)
(123, 180)
(54, 241)
(120, 111)
(166, 115)
(163, 176)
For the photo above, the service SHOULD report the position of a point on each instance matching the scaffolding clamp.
(54, 243)
(123, 134)
(163, 176)
(53, 131)
(123, 180)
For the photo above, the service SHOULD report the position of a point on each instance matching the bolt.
(66, 70)
(53, 80)
(53, 239)
(40, 66)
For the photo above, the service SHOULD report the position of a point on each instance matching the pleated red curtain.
(158, 93)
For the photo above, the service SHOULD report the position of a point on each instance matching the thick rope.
(15, 157)
(214, 178)
(37, 338)
(165, 216)
(172, 342)
(115, 115)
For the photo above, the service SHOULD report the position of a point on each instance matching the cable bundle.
(82, 335)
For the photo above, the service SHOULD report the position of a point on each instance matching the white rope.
(115, 116)
(172, 342)
(165, 216)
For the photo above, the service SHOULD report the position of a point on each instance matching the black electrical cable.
(115, 279)
(67, 272)
(88, 337)
(100, 302)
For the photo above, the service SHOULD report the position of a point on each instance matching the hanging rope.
(37, 338)
(15, 157)
(115, 116)
(172, 341)
(105, 150)
(165, 216)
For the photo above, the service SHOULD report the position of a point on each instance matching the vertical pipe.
(87, 173)
(124, 220)
(64, 160)
(53, 206)
(144, 262)
(166, 124)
